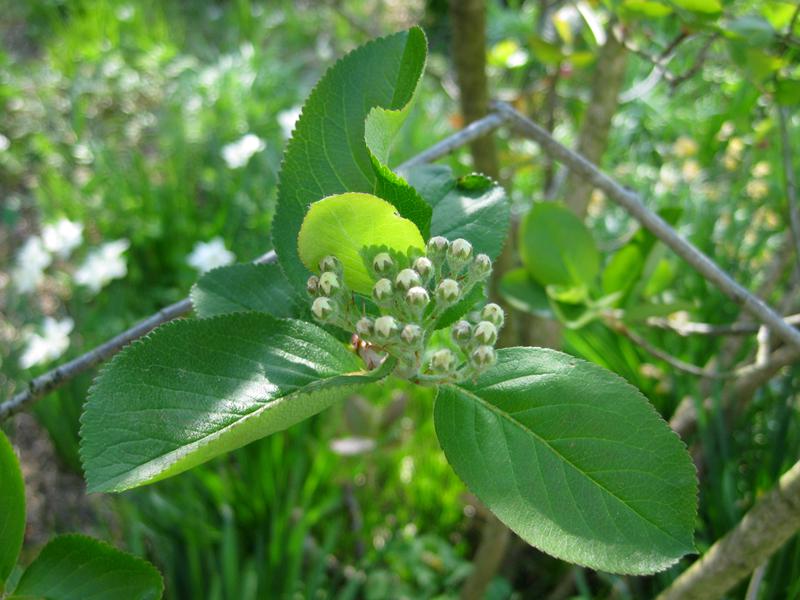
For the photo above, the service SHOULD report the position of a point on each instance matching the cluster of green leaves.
(568, 455)
(69, 567)
(563, 278)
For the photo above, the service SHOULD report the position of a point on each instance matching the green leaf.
(700, 6)
(76, 567)
(525, 294)
(573, 459)
(787, 91)
(472, 207)
(328, 153)
(195, 389)
(12, 509)
(556, 247)
(244, 288)
(753, 30)
(347, 224)
(623, 269)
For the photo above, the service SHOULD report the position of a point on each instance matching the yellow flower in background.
(684, 147)
(691, 170)
(730, 163)
(735, 148)
(761, 169)
(757, 189)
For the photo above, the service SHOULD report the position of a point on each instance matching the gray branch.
(660, 228)
(774, 518)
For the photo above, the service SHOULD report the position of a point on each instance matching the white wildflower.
(102, 265)
(352, 446)
(210, 255)
(238, 154)
(62, 237)
(4, 143)
(49, 345)
(287, 120)
(32, 260)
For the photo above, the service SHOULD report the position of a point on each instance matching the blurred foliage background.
(140, 143)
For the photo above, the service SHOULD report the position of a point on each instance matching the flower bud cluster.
(412, 294)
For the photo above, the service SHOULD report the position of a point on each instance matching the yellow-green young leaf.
(195, 389)
(12, 509)
(472, 207)
(573, 459)
(76, 567)
(556, 247)
(335, 148)
(344, 225)
(245, 288)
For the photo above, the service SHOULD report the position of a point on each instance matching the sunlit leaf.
(198, 388)
(573, 459)
(329, 152)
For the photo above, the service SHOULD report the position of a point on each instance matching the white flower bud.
(448, 291)
(424, 267)
(330, 264)
(382, 290)
(460, 249)
(485, 333)
(406, 279)
(494, 314)
(481, 266)
(442, 361)
(411, 334)
(418, 297)
(323, 308)
(483, 356)
(461, 333)
(385, 327)
(312, 285)
(365, 327)
(383, 264)
(329, 283)
(437, 246)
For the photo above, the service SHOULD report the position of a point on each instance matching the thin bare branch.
(693, 328)
(660, 228)
(668, 358)
(774, 518)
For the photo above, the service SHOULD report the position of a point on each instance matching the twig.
(774, 518)
(744, 381)
(660, 228)
(692, 328)
(789, 176)
(55, 378)
(673, 361)
(754, 587)
(698, 64)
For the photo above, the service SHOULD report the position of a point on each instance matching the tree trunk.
(593, 139)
